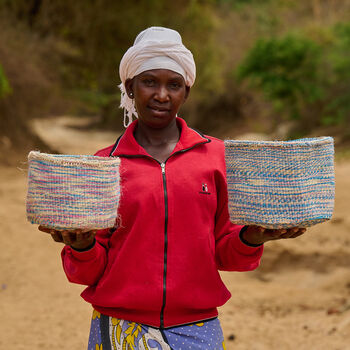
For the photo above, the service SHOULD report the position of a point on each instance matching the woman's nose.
(162, 94)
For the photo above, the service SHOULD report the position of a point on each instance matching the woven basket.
(278, 184)
(72, 191)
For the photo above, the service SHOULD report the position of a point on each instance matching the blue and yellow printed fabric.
(109, 333)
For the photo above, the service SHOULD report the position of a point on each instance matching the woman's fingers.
(57, 237)
(67, 237)
(259, 229)
(284, 233)
(55, 234)
(77, 238)
(84, 239)
(45, 229)
(275, 234)
(293, 232)
(297, 232)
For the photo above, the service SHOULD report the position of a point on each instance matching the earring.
(131, 95)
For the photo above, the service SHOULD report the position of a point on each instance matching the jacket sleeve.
(87, 267)
(231, 254)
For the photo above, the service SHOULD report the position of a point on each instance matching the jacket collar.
(126, 145)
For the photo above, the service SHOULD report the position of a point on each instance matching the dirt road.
(299, 298)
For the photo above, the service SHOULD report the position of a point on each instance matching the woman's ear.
(129, 87)
(188, 89)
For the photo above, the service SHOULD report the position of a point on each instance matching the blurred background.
(277, 67)
(266, 69)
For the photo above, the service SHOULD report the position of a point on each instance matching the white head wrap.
(154, 48)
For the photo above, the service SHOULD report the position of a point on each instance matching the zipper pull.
(163, 168)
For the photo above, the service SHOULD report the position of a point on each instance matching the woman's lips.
(159, 109)
(159, 112)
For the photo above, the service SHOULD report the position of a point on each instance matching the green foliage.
(286, 70)
(94, 101)
(5, 88)
(305, 80)
(337, 110)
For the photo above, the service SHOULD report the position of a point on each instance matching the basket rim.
(74, 159)
(305, 142)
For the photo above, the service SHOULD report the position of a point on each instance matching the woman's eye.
(175, 85)
(149, 82)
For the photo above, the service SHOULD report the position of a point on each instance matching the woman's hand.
(77, 239)
(258, 235)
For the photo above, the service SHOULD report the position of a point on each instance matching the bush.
(337, 110)
(306, 80)
(286, 71)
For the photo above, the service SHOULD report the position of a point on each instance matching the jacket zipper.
(166, 233)
(165, 245)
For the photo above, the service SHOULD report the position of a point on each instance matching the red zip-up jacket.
(160, 266)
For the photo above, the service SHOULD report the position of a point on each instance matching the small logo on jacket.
(204, 189)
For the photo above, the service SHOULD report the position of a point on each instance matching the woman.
(153, 279)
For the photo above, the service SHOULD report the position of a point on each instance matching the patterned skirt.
(110, 333)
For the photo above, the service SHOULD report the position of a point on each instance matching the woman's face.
(158, 94)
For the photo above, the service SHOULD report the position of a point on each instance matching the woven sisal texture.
(280, 184)
(72, 191)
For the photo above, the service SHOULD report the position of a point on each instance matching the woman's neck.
(148, 136)
(159, 143)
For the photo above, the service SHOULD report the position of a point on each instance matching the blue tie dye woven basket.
(280, 184)
(72, 191)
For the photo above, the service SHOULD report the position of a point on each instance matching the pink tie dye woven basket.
(72, 191)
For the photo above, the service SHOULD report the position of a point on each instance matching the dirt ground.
(299, 298)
